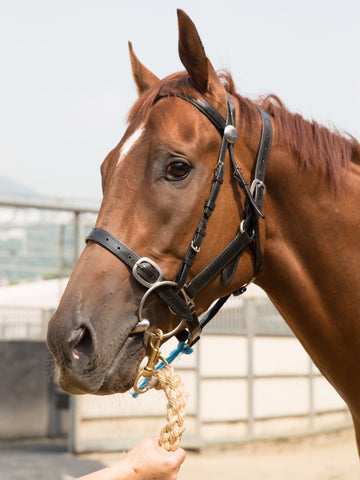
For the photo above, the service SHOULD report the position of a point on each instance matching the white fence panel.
(247, 378)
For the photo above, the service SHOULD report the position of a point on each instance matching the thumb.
(180, 455)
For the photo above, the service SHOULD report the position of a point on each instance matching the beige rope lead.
(171, 383)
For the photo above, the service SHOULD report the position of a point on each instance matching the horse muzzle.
(87, 365)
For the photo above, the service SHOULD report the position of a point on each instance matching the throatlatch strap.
(255, 198)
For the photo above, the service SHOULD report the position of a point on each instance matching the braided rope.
(171, 383)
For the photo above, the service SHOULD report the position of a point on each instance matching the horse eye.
(177, 170)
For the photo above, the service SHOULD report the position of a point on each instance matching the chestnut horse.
(155, 184)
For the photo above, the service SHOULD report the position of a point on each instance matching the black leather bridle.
(177, 294)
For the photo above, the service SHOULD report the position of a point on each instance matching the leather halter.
(177, 294)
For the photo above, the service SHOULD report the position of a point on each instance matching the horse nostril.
(84, 345)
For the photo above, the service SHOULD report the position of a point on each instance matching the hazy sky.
(66, 84)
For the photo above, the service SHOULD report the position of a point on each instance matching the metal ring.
(143, 300)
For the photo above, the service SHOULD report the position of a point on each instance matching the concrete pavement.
(41, 460)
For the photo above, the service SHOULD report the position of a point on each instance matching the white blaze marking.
(129, 143)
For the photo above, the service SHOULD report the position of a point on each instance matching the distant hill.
(13, 187)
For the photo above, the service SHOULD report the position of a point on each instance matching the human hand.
(146, 461)
(149, 461)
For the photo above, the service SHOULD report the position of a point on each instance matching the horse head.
(155, 183)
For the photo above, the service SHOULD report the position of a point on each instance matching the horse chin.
(123, 372)
(106, 377)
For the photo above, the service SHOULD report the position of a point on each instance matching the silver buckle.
(256, 183)
(196, 249)
(140, 279)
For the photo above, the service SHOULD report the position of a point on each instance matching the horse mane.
(316, 146)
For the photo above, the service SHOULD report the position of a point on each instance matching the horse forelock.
(315, 146)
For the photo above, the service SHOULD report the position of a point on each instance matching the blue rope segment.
(181, 348)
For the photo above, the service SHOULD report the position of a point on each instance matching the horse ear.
(144, 79)
(192, 53)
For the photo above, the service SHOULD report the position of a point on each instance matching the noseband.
(177, 294)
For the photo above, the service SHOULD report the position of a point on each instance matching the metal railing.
(41, 237)
(24, 323)
(234, 319)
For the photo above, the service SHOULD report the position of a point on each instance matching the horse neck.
(312, 262)
(311, 241)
